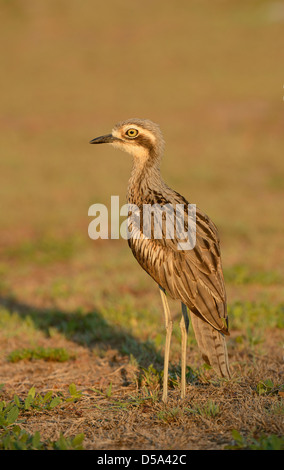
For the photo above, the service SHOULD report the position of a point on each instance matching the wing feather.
(193, 276)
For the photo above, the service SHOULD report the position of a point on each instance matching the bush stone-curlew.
(193, 276)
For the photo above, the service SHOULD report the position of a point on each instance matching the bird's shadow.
(88, 329)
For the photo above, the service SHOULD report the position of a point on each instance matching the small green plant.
(169, 416)
(192, 375)
(8, 414)
(150, 377)
(107, 393)
(108, 390)
(19, 439)
(75, 394)
(48, 401)
(264, 442)
(145, 394)
(209, 410)
(37, 401)
(67, 443)
(267, 387)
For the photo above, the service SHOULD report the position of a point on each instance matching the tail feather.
(212, 345)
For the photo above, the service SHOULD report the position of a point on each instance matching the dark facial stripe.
(145, 142)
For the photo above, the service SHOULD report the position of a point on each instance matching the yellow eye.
(131, 133)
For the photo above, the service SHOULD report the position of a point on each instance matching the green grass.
(242, 274)
(46, 354)
(121, 326)
(43, 251)
(256, 315)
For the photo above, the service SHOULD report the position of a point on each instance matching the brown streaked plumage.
(192, 276)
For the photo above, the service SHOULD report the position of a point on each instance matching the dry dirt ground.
(120, 405)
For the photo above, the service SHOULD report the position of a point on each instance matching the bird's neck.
(144, 180)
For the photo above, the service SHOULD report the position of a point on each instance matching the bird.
(194, 276)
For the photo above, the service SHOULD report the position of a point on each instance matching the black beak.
(103, 139)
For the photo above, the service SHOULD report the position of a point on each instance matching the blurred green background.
(211, 73)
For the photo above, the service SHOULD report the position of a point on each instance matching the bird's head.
(139, 137)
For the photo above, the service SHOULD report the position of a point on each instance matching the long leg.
(184, 331)
(169, 327)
